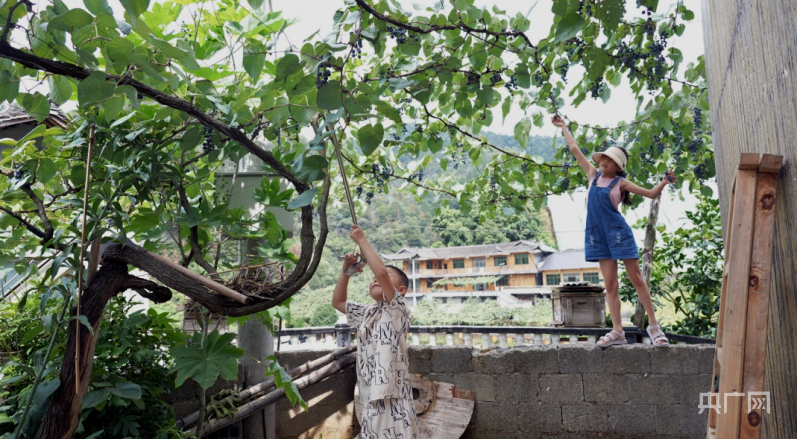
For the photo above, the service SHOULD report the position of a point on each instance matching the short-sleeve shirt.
(382, 366)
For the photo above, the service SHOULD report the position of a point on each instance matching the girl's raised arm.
(669, 178)
(588, 168)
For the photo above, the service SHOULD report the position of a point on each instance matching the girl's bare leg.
(609, 271)
(635, 275)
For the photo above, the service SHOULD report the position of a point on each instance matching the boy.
(382, 328)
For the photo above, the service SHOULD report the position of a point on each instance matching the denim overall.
(608, 236)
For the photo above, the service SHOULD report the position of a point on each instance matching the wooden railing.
(501, 336)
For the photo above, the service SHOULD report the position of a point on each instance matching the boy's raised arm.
(342, 287)
(375, 263)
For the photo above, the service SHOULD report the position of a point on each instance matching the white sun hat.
(614, 153)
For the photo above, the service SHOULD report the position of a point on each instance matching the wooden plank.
(736, 304)
(758, 300)
(771, 163)
(712, 416)
(749, 161)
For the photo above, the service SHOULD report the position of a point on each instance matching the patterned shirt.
(382, 362)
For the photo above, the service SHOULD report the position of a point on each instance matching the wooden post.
(758, 294)
(741, 233)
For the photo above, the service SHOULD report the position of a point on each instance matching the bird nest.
(256, 280)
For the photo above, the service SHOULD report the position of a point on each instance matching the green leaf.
(9, 86)
(478, 59)
(32, 333)
(569, 27)
(610, 12)
(205, 361)
(98, 7)
(73, 20)
(255, 4)
(127, 390)
(370, 137)
(119, 51)
(46, 170)
(60, 88)
(135, 8)
(85, 322)
(286, 66)
(253, 64)
(94, 89)
(560, 7)
(303, 200)
(650, 4)
(311, 168)
(485, 94)
(435, 144)
(96, 397)
(598, 63)
(505, 108)
(328, 97)
(36, 105)
(44, 391)
(522, 130)
(396, 84)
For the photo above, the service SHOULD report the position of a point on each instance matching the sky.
(568, 211)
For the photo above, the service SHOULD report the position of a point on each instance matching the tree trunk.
(751, 63)
(63, 413)
(647, 257)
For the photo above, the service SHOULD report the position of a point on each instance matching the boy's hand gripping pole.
(361, 262)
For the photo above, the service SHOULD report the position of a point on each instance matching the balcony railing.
(471, 271)
(486, 336)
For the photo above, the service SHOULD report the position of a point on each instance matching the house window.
(522, 259)
(572, 277)
(459, 263)
(479, 287)
(500, 261)
(414, 265)
(429, 265)
(429, 283)
(592, 278)
(479, 263)
(504, 281)
(552, 279)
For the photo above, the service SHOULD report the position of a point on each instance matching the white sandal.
(654, 339)
(612, 338)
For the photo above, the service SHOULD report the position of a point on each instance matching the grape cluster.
(628, 56)
(692, 146)
(596, 87)
(419, 128)
(701, 173)
(381, 175)
(401, 35)
(208, 144)
(697, 117)
(359, 191)
(538, 79)
(565, 185)
(650, 26)
(390, 71)
(552, 100)
(473, 79)
(458, 156)
(678, 138)
(525, 167)
(418, 175)
(323, 74)
(576, 50)
(585, 150)
(566, 166)
(511, 84)
(495, 78)
(493, 182)
(563, 72)
(357, 47)
(586, 8)
(20, 171)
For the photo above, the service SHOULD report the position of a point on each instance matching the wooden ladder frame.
(739, 361)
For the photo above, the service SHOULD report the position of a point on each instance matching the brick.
(690, 388)
(584, 417)
(705, 359)
(535, 359)
(482, 385)
(633, 419)
(446, 359)
(633, 358)
(654, 389)
(420, 358)
(680, 420)
(495, 416)
(608, 388)
(678, 359)
(580, 359)
(561, 388)
(540, 417)
(516, 388)
(497, 361)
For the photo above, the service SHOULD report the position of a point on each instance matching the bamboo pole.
(82, 256)
(256, 390)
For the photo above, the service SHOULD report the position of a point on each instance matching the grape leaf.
(303, 200)
(370, 137)
(569, 27)
(205, 360)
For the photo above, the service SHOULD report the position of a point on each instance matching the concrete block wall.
(537, 392)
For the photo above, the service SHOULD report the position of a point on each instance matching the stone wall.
(551, 392)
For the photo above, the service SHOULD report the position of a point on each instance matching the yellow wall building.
(519, 265)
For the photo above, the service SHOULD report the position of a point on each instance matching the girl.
(608, 237)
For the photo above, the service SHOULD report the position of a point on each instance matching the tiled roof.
(12, 114)
(567, 260)
(470, 251)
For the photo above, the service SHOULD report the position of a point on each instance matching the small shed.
(579, 304)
